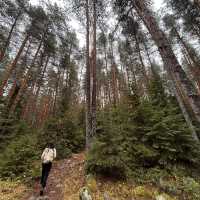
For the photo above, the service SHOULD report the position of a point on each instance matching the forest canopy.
(117, 79)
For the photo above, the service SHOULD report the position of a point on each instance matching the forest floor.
(70, 171)
(67, 178)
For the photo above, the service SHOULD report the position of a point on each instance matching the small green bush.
(66, 133)
(149, 134)
(17, 159)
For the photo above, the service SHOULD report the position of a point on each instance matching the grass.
(12, 190)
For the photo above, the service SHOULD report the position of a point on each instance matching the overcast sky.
(75, 25)
(157, 3)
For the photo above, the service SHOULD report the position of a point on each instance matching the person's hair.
(51, 146)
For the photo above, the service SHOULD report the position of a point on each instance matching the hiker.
(48, 155)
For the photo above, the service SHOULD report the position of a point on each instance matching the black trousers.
(46, 168)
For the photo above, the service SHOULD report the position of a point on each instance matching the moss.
(91, 183)
(142, 191)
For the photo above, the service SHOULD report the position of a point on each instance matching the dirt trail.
(65, 180)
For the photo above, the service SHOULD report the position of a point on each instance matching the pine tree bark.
(148, 56)
(30, 108)
(114, 84)
(171, 63)
(88, 98)
(107, 74)
(35, 109)
(93, 74)
(143, 68)
(24, 81)
(7, 43)
(185, 112)
(193, 68)
(12, 66)
(56, 91)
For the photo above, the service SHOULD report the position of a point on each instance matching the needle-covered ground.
(67, 178)
(12, 190)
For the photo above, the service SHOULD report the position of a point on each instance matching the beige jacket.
(48, 155)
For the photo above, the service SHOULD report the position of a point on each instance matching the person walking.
(48, 155)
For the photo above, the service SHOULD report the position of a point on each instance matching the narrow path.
(69, 172)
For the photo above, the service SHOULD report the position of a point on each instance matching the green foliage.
(10, 128)
(17, 158)
(145, 135)
(66, 133)
(183, 186)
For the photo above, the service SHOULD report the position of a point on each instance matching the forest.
(114, 85)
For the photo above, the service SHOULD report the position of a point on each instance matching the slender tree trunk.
(171, 63)
(7, 43)
(24, 81)
(114, 84)
(193, 69)
(88, 99)
(107, 73)
(35, 109)
(185, 112)
(185, 46)
(56, 90)
(16, 85)
(114, 76)
(42, 76)
(94, 80)
(144, 73)
(148, 56)
(12, 66)
(29, 108)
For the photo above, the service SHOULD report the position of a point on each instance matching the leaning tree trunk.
(12, 66)
(24, 81)
(185, 112)
(38, 91)
(174, 69)
(143, 68)
(195, 73)
(148, 56)
(7, 43)
(29, 108)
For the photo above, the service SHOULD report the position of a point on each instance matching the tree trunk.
(12, 66)
(185, 113)
(174, 69)
(30, 108)
(144, 73)
(24, 81)
(93, 74)
(114, 84)
(88, 99)
(193, 69)
(107, 72)
(56, 91)
(7, 43)
(148, 56)
(37, 93)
